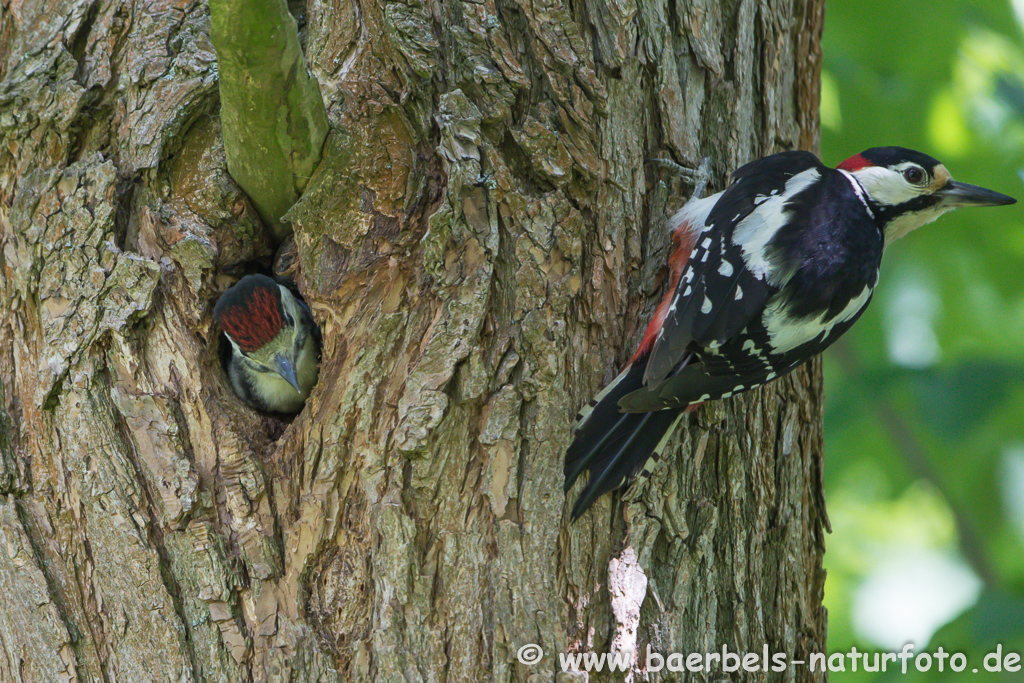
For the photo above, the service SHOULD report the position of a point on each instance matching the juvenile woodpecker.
(763, 276)
(273, 352)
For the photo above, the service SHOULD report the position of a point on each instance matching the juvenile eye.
(914, 175)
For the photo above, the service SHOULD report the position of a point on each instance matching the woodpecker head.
(906, 189)
(273, 361)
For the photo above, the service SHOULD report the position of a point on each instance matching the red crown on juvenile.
(253, 318)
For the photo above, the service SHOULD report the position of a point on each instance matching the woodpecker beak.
(962, 194)
(286, 368)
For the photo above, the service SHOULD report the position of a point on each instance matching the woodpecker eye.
(914, 175)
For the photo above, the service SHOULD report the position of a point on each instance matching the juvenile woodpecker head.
(906, 189)
(274, 355)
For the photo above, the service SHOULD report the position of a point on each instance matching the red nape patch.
(254, 322)
(854, 163)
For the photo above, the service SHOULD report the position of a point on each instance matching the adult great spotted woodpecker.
(764, 276)
(273, 352)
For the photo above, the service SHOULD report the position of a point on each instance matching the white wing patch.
(754, 232)
(786, 333)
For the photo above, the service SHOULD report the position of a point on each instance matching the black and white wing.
(729, 277)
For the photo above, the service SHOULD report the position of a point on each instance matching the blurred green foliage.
(925, 395)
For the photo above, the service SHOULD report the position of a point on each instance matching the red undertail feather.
(613, 446)
(254, 324)
(683, 239)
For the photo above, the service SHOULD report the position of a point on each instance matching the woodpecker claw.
(698, 177)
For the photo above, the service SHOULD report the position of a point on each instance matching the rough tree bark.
(480, 244)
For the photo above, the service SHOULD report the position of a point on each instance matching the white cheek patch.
(887, 187)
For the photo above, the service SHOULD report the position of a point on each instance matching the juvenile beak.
(286, 368)
(962, 194)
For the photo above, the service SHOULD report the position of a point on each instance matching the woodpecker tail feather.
(614, 446)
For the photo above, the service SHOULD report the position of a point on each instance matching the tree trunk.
(481, 245)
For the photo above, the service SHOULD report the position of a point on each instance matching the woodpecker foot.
(698, 177)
